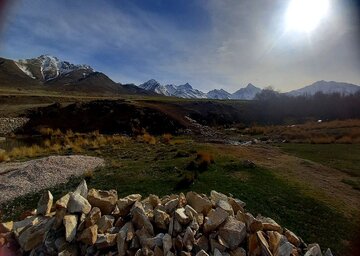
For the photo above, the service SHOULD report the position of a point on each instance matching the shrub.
(147, 138)
(166, 138)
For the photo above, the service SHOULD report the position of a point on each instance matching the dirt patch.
(314, 179)
(20, 178)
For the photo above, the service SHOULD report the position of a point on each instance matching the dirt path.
(316, 180)
(20, 178)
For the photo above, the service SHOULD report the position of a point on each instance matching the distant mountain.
(219, 94)
(247, 93)
(51, 74)
(181, 91)
(327, 88)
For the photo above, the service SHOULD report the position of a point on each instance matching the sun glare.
(306, 15)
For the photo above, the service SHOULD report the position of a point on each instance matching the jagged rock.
(292, 238)
(121, 243)
(202, 253)
(269, 224)
(158, 251)
(161, 219)
(63, 201)
(216, 197)
(236, 204)
(225, 206)
(203, 243)
(264, 245)
(34, 235)
(20, 226)
(125, 204)
(105, 223)
(214, 244)
(253, 245)
(93, 217)
(167, 243)
(189, 239)
(140, 219)
(313, 250)
(238, 252)
(105, 200)
(182, 200)
(6, 226)
(154, 200)
(252, 225)
(78, 204)
(45, 203)
(201, 205)
(105, 240)
(70, 223)
(152, 242)
(214, 219)
(181, 216)
(233, 232)
(82, 189)
(328, 252)
(171, 205)
(89, 235)
(217, 252)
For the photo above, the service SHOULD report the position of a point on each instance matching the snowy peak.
(218, 94)
(47, 67)
(326, 87)
(247, 93)
(150, 85)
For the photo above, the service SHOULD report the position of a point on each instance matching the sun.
(306, 15)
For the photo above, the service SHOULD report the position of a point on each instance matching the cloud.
(208, 43)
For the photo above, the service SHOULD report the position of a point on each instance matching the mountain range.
(47, 72)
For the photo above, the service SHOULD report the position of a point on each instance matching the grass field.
(137, 167)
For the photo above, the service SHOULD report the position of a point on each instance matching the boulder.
(233, 232)
(269, 224)
(105, 240)
(236, 204)
(264, 245)
(70, 224)
(6, 226)
(20, 226)
(225, 206)
(78, 204)
(154, 200)
(63, 201)
(214, 219)
(171, 205)
(104, 200)
(189, 239)
(167, 243)
(161, 219)
(121, 243)
(292, 238)
(140, 219)
(89, 235)
(313, 250)
(202, 253)
(45, 203)
(200, 204)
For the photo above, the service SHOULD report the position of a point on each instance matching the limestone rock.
(82, 189)
(171, 205)
(121, 243)
(70, 223)
(202, 253)
(105, 223)
(125, 204)
(6, 226)
(214, 219)
(167, 243)
(313, 250)
(20, 226)
(233, 232)
(292, 238)
(89, 235)
(202, 243)
(105, 200)
(154, 200)
(45, 203)
(161, 219)
(236, 204)
(269, 224)
(328, 252)
(225, 206)
(93, 217)
(189, 239)
(265, 250)
(238, 252)
(181, 216)
(78, 204)
(34, 235)
(140, 219)
(63, 201)
(105, 240)
(200, 204)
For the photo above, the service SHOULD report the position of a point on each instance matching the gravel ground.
(20, 178)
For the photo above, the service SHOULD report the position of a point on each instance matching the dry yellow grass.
(147, 138)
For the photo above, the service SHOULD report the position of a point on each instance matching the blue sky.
(208, 43)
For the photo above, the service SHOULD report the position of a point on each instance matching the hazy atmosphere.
(210, 44)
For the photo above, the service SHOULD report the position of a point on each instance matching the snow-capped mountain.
(247, 93)
(181, 91)
(219, 94)
(47, 67)
(326, 87)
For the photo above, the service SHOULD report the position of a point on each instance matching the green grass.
(140, 168)
(344, 157)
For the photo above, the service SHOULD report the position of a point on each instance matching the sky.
(208, 43)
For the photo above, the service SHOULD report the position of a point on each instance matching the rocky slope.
(96, 222)
(326, 87)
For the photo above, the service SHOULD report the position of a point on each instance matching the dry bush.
(322, 140)
(88, 175)
(3, 156)
(31, 151)
(147, 138)
(166, 138)
(345, 140)
(203, 156)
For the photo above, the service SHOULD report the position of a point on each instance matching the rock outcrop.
(97, 222)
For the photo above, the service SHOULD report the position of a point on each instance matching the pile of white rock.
(97, 222)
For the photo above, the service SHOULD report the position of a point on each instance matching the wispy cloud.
(208, 43)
